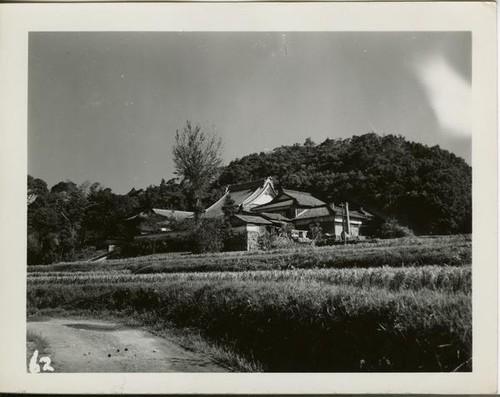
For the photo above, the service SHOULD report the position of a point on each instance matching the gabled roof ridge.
(256, 183)
(165, 212)
(316, 212)
(280, 196)
(274, 216)
(254, 218)
(303, 198)
(296, 191)
(259, 192)
(217, 202)
(272, 202)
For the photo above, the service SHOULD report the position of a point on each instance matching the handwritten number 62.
(34, 367)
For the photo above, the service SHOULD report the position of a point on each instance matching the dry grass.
(445, 278)
(294, 325)
(449, 251)
(307, 310)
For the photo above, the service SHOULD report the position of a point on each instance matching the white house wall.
(352, 221)
(253, 234)
(330, 224)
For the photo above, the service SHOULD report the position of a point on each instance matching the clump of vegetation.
(209, 235)
(392, 229)
(272, 240)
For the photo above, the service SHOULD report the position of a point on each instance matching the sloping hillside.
(425, 188)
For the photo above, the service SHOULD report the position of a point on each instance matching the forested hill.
(425, 188)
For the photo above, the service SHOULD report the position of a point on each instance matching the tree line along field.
(414, 188)
(394, 305)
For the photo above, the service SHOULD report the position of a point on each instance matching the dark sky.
(104, 107)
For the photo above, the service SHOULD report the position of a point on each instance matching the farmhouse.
(305, 211)
(155, 223)
(259, 207)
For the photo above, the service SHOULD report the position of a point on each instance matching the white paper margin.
(16, 20)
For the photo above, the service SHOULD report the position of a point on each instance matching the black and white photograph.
(272, 201)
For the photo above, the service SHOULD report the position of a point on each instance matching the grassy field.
(449, 251)
(398, 305)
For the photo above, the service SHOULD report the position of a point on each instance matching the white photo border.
(17, 20)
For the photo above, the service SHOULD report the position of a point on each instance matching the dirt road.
(102, 346)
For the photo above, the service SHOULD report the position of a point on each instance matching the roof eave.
(218, 201)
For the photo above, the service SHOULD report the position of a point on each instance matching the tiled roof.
(239, 193)
(273, 204)
(358, 214)
(315, 213)
(324, 211)
(132, 217)
(288, 197)
(275, 217)
(237, 196)
(303, 199)
(173, 213)
(365, 212)
(255, 219)
(252, 185)
(165, 213)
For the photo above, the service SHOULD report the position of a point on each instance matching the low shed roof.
(303, 199)
(273, 205)
(315, 213)
(173, 213)
(253, 219)
(275, 216)
(166, 213)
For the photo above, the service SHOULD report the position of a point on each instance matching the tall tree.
(197, 159)
(103, 218)
(54, 221)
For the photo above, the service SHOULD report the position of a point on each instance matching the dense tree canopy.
(54, 221)
(425, 188)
